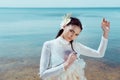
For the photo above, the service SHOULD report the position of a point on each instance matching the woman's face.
(71, 32)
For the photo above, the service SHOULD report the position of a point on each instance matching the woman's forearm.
(105, 35)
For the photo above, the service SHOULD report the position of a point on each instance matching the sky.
(59, 3)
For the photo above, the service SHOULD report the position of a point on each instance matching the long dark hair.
(74, 21)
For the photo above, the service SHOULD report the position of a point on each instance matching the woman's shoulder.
(49, 42)
(76, 43)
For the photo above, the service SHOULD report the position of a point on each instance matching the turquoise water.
(23, 31)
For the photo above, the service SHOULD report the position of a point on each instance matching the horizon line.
(61, 7)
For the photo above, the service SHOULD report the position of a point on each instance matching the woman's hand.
(106, 27)
(70, 60)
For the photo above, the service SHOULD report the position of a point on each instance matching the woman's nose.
(71, 35)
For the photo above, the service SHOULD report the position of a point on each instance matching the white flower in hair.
(66, 20)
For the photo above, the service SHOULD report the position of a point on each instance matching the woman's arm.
(45, 70)
(84, 50)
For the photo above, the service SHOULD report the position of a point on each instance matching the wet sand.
(95, 70)
(98, 70)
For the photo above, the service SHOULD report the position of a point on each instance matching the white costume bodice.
(54, 54)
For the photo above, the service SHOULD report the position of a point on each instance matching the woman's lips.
(69, 39)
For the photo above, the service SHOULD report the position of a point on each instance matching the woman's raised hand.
(106, 27)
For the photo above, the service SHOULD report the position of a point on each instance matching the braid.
(71, 42)
(59, 33)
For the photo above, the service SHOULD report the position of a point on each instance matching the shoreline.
(95, 70)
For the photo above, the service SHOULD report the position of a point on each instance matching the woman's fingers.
(105, 24)
(73, 55)
(103, 19)
(70, 60)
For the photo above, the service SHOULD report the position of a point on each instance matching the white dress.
(55, 52)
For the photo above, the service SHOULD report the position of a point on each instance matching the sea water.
(24, 30)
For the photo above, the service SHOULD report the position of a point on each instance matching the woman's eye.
(71, 31)
(77, 34)
(74, 32)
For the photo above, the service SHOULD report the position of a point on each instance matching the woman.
(60, 57)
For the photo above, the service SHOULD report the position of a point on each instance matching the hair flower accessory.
(66, 20)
